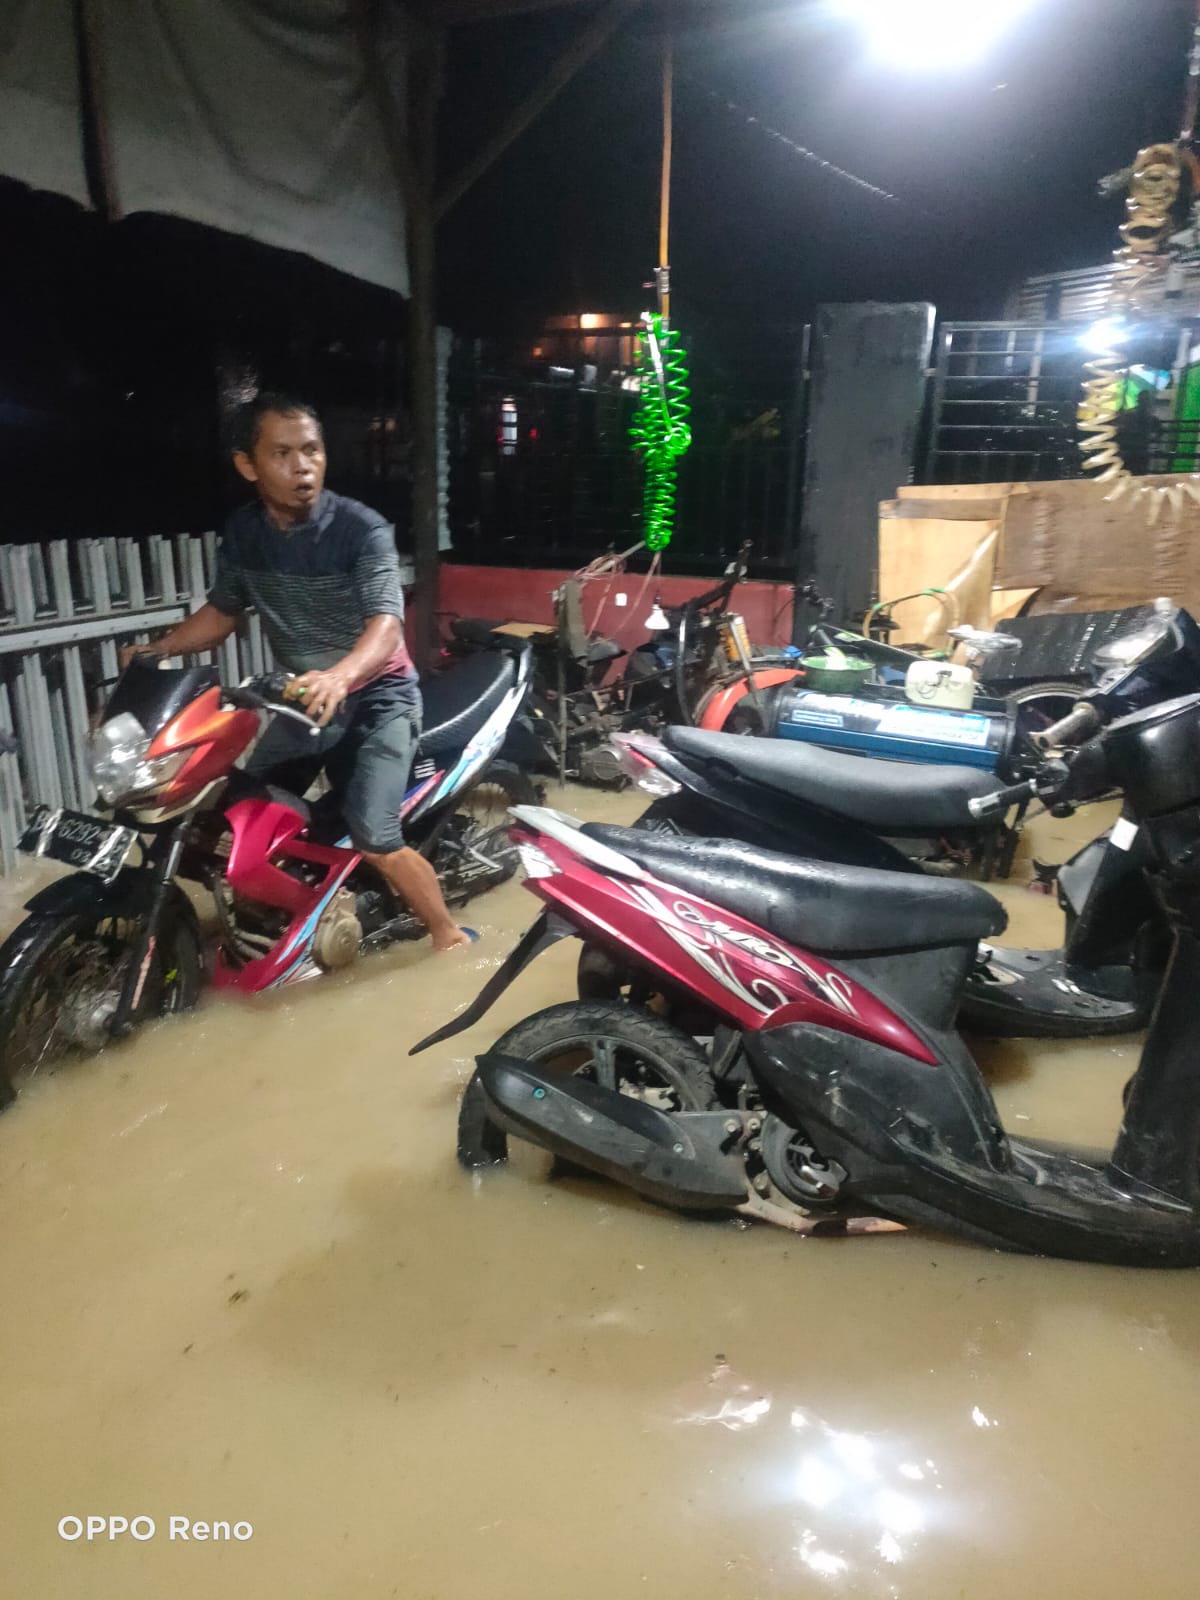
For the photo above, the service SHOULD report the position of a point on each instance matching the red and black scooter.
(810, 1062)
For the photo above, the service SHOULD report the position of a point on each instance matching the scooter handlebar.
(996, 804)
(1079, 724)
(1048, 781)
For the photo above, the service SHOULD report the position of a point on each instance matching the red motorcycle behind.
(117, 941)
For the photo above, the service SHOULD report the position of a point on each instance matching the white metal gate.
(66, 609)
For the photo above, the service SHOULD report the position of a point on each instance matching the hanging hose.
(1153, 189)
(660, 429)
(944, 597)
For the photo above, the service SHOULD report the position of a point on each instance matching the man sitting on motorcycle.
(323, 575)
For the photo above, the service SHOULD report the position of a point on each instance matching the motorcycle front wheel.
(1037, 707)
(61, 979)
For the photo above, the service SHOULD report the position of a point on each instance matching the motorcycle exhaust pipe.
(677, 1160)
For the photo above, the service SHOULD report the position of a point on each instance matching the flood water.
(243, 1279)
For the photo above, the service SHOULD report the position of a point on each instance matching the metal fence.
(65, 610)
(1004, 403)
(542, 472)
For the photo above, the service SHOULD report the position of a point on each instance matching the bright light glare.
(817, 1483)
(897, 1513)
(889, 1548)
(1104, 336)
(933, 33)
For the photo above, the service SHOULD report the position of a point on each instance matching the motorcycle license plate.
(89, 843)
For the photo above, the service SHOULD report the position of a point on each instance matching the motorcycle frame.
(268, 832)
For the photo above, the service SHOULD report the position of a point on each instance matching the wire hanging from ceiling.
(829, 167)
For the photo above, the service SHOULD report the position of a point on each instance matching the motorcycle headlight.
(119, 763)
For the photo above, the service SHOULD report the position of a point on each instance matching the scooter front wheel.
(618, 1046)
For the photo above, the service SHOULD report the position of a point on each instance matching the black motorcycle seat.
(889, 796)
(479, 631)
(459, 702)
(822, 907)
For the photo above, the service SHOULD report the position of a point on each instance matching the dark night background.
(118, 337)
(994, 183)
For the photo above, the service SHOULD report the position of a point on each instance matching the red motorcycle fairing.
(265, 832)
(215, 734)
(752, 981)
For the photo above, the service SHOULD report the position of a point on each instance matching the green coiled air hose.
(660, 430)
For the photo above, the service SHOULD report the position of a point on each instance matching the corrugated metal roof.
(1082, 294)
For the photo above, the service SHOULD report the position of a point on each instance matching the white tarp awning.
(252, 116)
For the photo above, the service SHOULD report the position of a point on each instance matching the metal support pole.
(425, 89)
(664, 199)
(792, 499)
(409, 130)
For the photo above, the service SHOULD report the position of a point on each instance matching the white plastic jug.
(940, 684)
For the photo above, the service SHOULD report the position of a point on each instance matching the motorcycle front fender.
(719, 705)
(130, 894)
(546, 931)
(79, 891)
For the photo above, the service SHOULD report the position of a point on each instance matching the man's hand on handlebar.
(272, 694)
(322, 694)
(130, 652)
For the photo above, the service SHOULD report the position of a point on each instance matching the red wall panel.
(524, 594)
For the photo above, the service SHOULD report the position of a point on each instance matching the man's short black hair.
(247, 423)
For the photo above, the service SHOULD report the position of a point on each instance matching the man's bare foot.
(453, 938)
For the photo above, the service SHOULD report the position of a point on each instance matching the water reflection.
(851, 1479)
(414, 1386)
(862, 1502)
(724, 1400)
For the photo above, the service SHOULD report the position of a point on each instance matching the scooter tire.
(559, 1030)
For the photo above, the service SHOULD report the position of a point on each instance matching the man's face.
(287, 464)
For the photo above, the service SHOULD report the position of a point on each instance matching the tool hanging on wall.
(660, 431)
(1153, 183)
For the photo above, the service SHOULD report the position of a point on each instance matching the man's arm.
(215, 620)
(376, 575)
(325, 692)
(203, 630)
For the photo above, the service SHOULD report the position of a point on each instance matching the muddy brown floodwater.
(243, 1279)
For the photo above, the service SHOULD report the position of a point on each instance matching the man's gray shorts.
(366, 753)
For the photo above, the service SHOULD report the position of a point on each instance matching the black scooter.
(930, 1147)
(827, 806)
(863, 1096)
